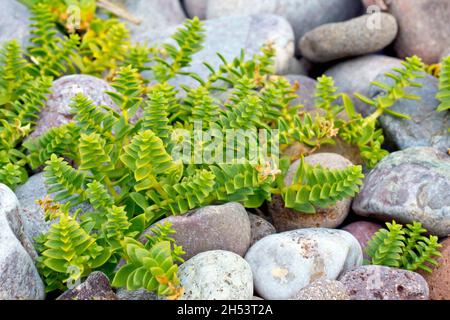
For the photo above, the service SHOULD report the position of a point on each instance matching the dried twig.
(118, 11)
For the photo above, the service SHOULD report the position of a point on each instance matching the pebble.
(306, 90)
(379, 3)
(222, 227)
(19, 278)
(14, 22)
(228, 36)
(363, 232)
(355, 75)
(296, 66)
(354, 37)
(423, 28)
(139, 294)
(426, 127)
(32, 215)
(260, 228)
(445, 54)
(57, 109)
(152, 14)
(302, 15)
(284, 263)
(196, 8)
(384, 283)
(439, 280)
(288, 219)
(95, 287)
(323, 290)
(216, 275)
(409, 185)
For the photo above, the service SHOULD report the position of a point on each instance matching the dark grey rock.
(222, 227)
(95, 287)
(284, 263)
(427, 127)
(347, 39)
(409, 185)
(384, 283)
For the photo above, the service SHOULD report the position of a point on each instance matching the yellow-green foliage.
(444, 85)
(121, 160)
(402, 247)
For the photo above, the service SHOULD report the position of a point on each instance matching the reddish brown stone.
(96, 287)
(384, 283)
(423, 28)
(439, 280)
(288, 219)
(363, 231)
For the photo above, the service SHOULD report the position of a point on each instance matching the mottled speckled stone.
(288, 219)
(384, 283)
(216, 275)
(347, 39)
(284, 263)
(57, 109)
(323, 290)
(260, 228)
(19, 278)
(223, 227)
(16, 220)
(439, 280)
(139, 294)
(409, 185)
(95, 287)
